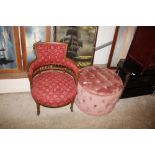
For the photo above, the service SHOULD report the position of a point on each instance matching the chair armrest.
(34, 65)
(38, 66)
(70, 64)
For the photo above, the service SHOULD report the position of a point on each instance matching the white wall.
(14, 85)
(105, 34)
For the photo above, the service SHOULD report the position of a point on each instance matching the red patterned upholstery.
(54, 51)
(52, 54)
(52, 88)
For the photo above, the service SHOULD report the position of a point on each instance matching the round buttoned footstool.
(98, 90)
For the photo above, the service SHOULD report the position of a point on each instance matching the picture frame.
(29, 36)
(122, 39)
(10, 56)
(53, 34)
(81, 42)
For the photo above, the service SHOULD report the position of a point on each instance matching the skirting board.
(14, 85)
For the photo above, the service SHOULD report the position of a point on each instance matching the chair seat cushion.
(53, 88)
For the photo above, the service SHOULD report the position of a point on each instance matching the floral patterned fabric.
(55, 51)
(52, 54)
(52, 88)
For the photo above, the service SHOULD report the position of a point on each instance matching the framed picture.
(121, 42)
(29, 36)
(10, 58)
(81, 42)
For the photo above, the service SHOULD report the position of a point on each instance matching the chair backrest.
(50, 55)
(52, 52)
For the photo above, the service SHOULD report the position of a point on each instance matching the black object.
(73, 40)
(3, 60)
(135, 84)
(142, 49)
(138, 70)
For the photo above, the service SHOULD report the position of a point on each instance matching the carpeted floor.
(18, 110)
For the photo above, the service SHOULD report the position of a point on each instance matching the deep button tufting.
(100, 93)
(104, 82)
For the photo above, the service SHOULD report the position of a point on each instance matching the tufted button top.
(100, 81)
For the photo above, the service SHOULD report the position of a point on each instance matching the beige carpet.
(18, 110)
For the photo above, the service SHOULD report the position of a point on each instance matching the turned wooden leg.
(71, 107)
(38, 109)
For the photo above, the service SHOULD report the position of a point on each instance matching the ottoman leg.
(38, 109)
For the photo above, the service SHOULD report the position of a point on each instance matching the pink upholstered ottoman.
(98, 90)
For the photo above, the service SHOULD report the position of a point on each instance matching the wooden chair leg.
(38, 109)
(71, 107)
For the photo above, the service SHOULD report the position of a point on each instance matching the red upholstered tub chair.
(52, 76)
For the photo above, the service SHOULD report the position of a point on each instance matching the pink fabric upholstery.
(98, 90)
(54, 88)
